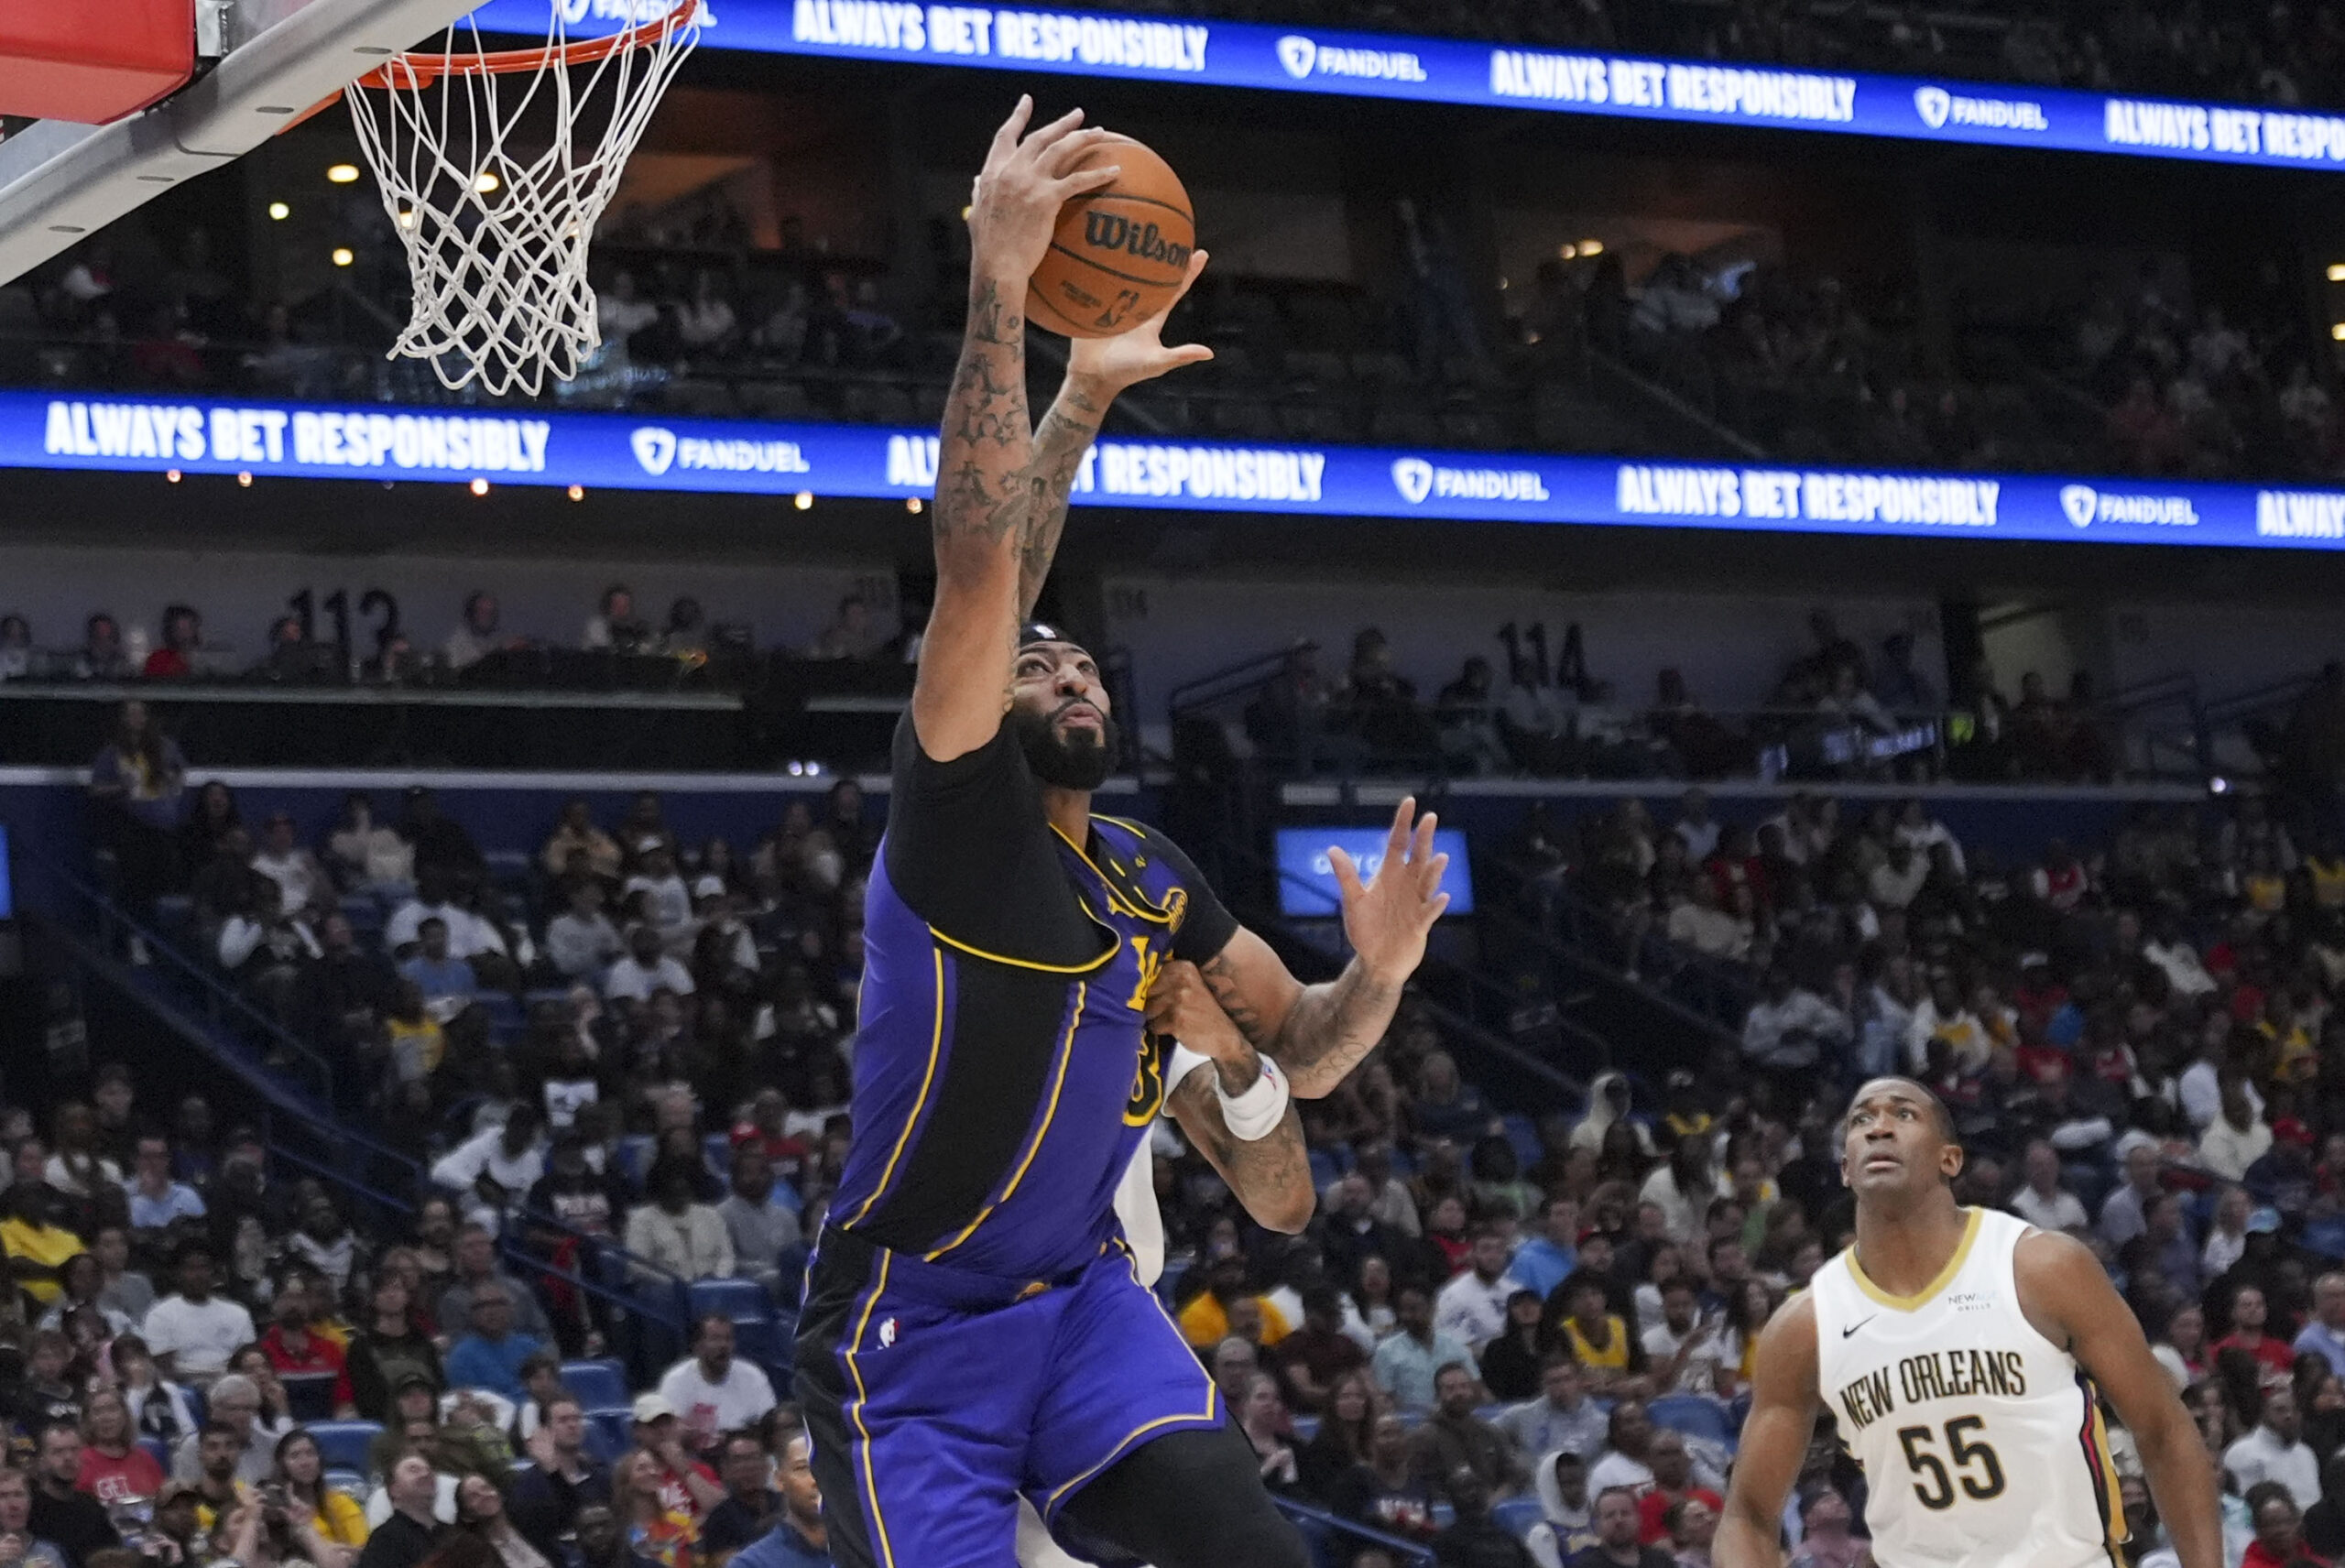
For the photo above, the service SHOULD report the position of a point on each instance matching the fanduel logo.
(1938, 107)
(655, 449)
(1303, 58)
(1416, 479)
(2085, 507)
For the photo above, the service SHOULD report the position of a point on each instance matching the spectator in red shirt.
(183, 635)
(115, 1469)
(294, 1351)
(2279, 1530)
(1672, 1482)
(769, 1114)
(2248, 1316)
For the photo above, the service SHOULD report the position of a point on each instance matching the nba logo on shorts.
(2078, 501)
(1933, 104)
(1412, 476)
(1297, 54)
(886, 1334)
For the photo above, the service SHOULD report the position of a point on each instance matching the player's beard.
(1068, 762)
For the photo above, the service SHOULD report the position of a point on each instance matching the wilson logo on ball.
(1112, 231)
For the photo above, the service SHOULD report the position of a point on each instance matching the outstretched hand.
(1139, 353)
(1388, 918)
(1014, 206)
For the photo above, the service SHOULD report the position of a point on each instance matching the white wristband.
(1183, 1061)
(1256, 1112)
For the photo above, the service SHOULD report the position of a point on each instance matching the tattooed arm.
(984, 490)
(1317, 1034)
(1270, 1175)
(1001, 486)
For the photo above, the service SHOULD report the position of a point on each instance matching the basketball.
(1120, 254)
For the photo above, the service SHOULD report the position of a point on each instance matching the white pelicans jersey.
(1981, 1441)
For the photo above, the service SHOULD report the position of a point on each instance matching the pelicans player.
(1961, 1351)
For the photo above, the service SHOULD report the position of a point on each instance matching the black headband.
(1034, 632)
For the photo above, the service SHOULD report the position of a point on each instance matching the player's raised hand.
(1139, 354)
(1026, 179)
(1388, 918)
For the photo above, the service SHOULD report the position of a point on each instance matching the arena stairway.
(195, 1034)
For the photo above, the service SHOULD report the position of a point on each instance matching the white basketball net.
(496, 234)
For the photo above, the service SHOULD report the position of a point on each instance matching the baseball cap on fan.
(649, 1408)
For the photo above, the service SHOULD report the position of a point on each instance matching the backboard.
(271, 62)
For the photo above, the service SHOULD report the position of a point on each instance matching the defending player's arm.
(1317, 1034)
(1271, 1174)
(1001, 488)
(1774, 1441)
(2066, 1293)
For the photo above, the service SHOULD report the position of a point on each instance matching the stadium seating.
(344, 1445)
(599, 1385)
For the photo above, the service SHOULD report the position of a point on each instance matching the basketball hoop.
(496, 236)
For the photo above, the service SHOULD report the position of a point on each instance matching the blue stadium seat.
(717, 1149)
(1306, 1428)
(198, 1406)
(1523, 1134)
(766, 1340)
(599, 1385)
(342, 1444)
(1444, 1516)
(159, 1451)
(350, 1483)
(540, 995)
(1516, 1516)
(366, 917)
(1323, 1169)
(505, 1018)
(1693, 1415)
(743, 1301)
(610, 1433)
(635, 1157)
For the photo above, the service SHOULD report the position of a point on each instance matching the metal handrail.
(1239, 678)
(322, 1121)
(1413, 1553)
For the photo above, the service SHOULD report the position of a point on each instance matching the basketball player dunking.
(1961, 1351)
(1038, 983)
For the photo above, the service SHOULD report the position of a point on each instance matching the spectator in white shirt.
(646, 969)
(2237, 1139)
(2171, 952)
(1471, 1309)
(2276, 1450)
(1684, 1350)
(493, 1170)
(475, 638)
(1699, 922)
(1694, 826)
(469, 936)
(581, 941)
(2042, 1202)
(1789, 1027)
(713, 1391)
(286, 861)
(193, 1334)
(1898, 879)
(667, 897)
(2227, 1233)
(673, 1233)
(1920, 831)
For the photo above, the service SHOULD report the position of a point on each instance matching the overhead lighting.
(343, 255)
(480, 486)
(1567, 252)
(278, 212)
(406, 217)
(245, 479)
(1591, 247)
(2337, 332)
(1502, 284)
(343, 174)
(172, 474)
(805, 500)
(912, 505)
(2337, 272)
(578, 492)
(486, 182)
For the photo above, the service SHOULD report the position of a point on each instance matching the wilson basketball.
(1120, 254)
